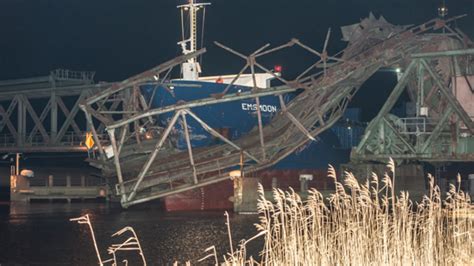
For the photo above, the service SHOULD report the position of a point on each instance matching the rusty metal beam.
(143, 76)
(437, 130)
(294, 120)
(6, 121)
(123, 134)
(218, 135)
(257, 102)
(118, 167)
(36, 120)
(42, 117)
(152, 156)
(450, 97)
(70, 118)
(445, 53)
(188, 144)
(400, 137)
(235, 78)
(389, 103)
(66, 112)
(6, 114)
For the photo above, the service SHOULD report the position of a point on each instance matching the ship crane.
(191, 68)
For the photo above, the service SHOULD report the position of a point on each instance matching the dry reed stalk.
(363, 224)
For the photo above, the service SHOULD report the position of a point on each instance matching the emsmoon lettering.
(263, 107)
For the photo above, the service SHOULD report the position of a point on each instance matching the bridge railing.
(417, 125)
(66, 74)
(71, 139)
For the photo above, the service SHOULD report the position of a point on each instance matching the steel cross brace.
(118, 167)
(399, 136)
(390, 102)
(69, 115)
(152, 156)
(188, 144)
(450, 97)
(42, 116)
(218, 135)
(437, 130)
(294, 120)
(259, 113)
(137, 79)
(35, 117)
(6, 116)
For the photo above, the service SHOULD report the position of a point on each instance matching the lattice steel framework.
(42, 114)
(151, 168)
(441, 128)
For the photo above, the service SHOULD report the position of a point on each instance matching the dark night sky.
(118, 38)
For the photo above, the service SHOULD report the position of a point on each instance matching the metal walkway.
(147, 169)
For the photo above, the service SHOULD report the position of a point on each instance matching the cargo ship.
(237, 118)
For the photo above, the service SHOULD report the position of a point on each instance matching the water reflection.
(42, 233)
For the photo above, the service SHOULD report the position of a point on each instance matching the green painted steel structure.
(441, 128)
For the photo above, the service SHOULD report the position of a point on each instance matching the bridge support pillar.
(471, 185)
(245, 194)
(50, 180)
(18, 186)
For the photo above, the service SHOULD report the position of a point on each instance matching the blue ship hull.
(234, 119)
(231, 119)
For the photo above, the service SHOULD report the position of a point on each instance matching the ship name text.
(263, 107)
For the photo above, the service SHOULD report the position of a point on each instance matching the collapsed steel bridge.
(149, 167)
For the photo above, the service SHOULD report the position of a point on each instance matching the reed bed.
(362, 224)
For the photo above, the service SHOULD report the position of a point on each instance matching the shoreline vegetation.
(358, 224)
(362, 224)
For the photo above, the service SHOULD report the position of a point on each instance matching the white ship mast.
(191, 68)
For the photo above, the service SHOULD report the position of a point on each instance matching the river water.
(41, 233)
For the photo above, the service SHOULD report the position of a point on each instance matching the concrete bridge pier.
(21, 190)
(246, 194)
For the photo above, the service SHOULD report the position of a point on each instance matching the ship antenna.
(191, 68)
(443, 9)
(202, 32)
(192, 24)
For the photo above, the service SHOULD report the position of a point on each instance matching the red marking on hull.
(212, 197)
(217, 196)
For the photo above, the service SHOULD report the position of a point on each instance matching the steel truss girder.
(324, 98)
(126, 94)
(43, 136)
(389, 103)
(447, 108)
(136, 186)
(453, 102)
